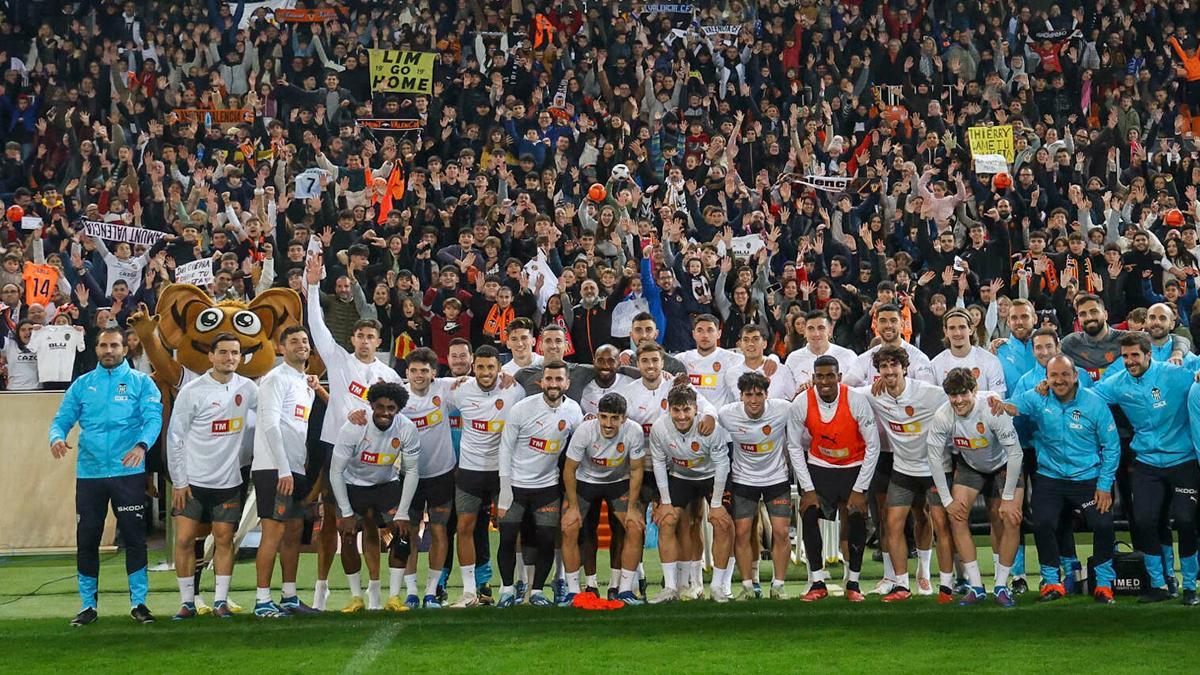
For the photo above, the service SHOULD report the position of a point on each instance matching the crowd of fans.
(703, 124)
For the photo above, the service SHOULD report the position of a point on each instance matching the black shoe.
(141, 614)
(852, 586)
(877, 555)
(441, 595)
(1154, 595)
(1172, 586)
(1050, 595)
(484, 589)
(1189, 598)
(88, 615)
(612, 593)
(1019, 586)
(592, 589)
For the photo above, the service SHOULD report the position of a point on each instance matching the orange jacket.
(1191, 64)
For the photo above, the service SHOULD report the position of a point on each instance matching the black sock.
(852, 585)
(817, 585)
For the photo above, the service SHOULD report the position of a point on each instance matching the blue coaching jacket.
(116, 409)
(1157, 406)
(1075, 440)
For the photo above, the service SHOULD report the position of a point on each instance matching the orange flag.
(394, 191)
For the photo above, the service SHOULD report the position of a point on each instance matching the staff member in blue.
(1153, 395)
(119, 412)
(1078, 451)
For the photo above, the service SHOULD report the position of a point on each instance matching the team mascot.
(176, 340)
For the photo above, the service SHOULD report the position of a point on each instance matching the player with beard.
(905, 407)
(1160, 322)
(644, 328)
(484, 406)
(605, 379)
(802, 362)
(888, 322)
(535, 434)
(834, 444)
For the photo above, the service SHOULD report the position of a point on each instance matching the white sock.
(520, 567)
(628, 579)
(395, 577)
(262, 594)
(718, 578)
(641, 570)
(747, 584)
(187, 589)
(614, 577)
(776, 583)
(889, 572)
(946, 579)
(289, 589)
(373, 600)
(924, 556)
(972, 570)
(670, 579)
(468, 578)
(1002, 572)
(529, 574)
(818, 575)
(431, 582)
(559, 571)
(851, 575)
(698, 569)
(995, 560)
(591, 581)
(320, 594)
(410, 584)
(573, 582)
(355, 583)
(221, 594)
(758, 570)
(902, 580)
(507, 589)
(684, 571)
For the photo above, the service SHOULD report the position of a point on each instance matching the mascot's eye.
(209, 319)
(247, 323)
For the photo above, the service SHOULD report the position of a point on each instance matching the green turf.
(1072, 635)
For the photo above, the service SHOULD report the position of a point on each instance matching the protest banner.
(198, 273)
(393, 70)
(117, 232)
(997, 140)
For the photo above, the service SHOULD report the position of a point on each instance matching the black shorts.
(434, 495)
(475, 491)
(648, 494)
(777, 497)
(591, 494)
(883, 473)
(685, 491)
(244, 488)
(271, 504)
(378, 502)
(212, 505)
(833, 486)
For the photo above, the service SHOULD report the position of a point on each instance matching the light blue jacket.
(1156, 405)
(1075, 440)
(1016, 357)
(1157, 353)
(116, 409)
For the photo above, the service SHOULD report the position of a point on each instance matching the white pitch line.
(372, 648)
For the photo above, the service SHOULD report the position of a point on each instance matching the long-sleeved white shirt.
(366, 455)
(758, 456)
(349, 378)
(605, 460)
(534, 435)
(863, 371)
(783, 385)
(905, 420)
(205, 435)
(984, 365)
(430, 412)
(690, 456)
(801, 441)
(281, 430)
(705, 372)
(984, 441)
(800, 362)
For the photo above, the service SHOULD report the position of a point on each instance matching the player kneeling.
(689, 467)
(989, 462)
(604, 463)
(370, 496)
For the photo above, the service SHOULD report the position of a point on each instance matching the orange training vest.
(839, 440)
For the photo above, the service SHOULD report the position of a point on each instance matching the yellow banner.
(992, 141)
(402, 72)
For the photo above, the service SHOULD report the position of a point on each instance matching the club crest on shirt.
(437, 401)
(121, 389)
(975, 372)
(620, 448)
(237, 399)
(766, 429)
(1109, 356)
(664, 404)
(717, 367)
(695, 446)
(908, 410)
(499, 404)
(980, 427)
(1075, 415)
(562, 425)
(395, 443)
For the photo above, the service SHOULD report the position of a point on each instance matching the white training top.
(22, 366)
(605, 460)
(644, 405)
(365, 456)
(690, 456)
(800, 440)
(281, 430)
(209, 421)
(56, 347)
(707, 372)
(349, 378)
(483, 415)
(863, 372)
(431, 413)
(984, 441)
(589, 400)
(758, 456)
(988, 372)
(511, 367)
(905, 421)
(800, 362)
(534, 435)
(782, 384)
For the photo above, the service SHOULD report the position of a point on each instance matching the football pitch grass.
(37, 598)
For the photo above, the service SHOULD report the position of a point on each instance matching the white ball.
(620, 172)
